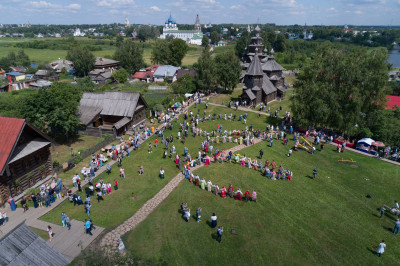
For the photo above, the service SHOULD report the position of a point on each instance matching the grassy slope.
(119, 206)
(62, 153)
(327, 221)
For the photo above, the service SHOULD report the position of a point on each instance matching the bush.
(56, 164)
(77, 159)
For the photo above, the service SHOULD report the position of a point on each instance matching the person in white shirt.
(162, 172)
(213, 220)
(381, 248)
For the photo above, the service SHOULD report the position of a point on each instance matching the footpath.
(111, 239)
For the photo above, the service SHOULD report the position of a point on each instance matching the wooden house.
(112, 112)
(25, 157)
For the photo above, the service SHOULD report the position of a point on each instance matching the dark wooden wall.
(26, 172)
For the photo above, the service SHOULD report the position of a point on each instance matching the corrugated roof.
(22, 246)
(42, 72)
(255, 67)
(392, 101)
(166, 71)
(9, 132)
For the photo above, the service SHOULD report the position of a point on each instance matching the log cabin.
(25, 157)
(111, 112)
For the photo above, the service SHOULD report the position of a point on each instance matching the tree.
(85, 84)
(121, 75)
(22, 59)
(205, 71)
(341, 89)
(280, 44)
(241, 45)
(147, 32)
(178, 49)
(227, 69)
(205, 41)
(160, 52)
(169, 37)
(53, 110)
(185, 84)
(119, 40)
(130, 56)
(215, 37)
(12, 59)
(83, 60)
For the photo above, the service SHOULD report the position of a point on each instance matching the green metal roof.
(182, 31)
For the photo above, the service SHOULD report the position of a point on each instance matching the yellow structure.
(305, 143)
(350, 161)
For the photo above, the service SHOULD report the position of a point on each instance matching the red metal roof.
(148, 72)
(143, 75)
(392, 101)
(10, 129)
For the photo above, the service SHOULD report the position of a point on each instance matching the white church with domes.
(189, 36)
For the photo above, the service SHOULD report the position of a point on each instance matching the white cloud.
(358, 12)
(332, 9)
(236, 7)
(42, 4)
(115, 3)
(155, 8)
(74, 6)
(104, 3)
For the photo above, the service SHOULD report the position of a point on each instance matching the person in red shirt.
(156, 143)
(247, 196)
(115, 184)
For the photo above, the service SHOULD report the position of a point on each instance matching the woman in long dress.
(216, 188)
(381, 248)
(11, 201)
(203, 184)
(254, 196)
(207, 161)
(238, 194)
(223, 189)
(209, 185)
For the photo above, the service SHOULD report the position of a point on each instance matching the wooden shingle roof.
(22, 246)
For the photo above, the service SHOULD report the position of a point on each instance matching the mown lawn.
(43, 234)
(62, 152)
(120, 205)
(324, 221)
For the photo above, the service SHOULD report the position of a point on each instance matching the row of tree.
(345, 89)
(221, 70)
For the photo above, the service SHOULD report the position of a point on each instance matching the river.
(394, 56)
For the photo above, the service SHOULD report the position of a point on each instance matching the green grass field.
(49, 55)
(62, 152)
(324, 221)
(120, 205)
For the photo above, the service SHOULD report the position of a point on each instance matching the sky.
(280, 12)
